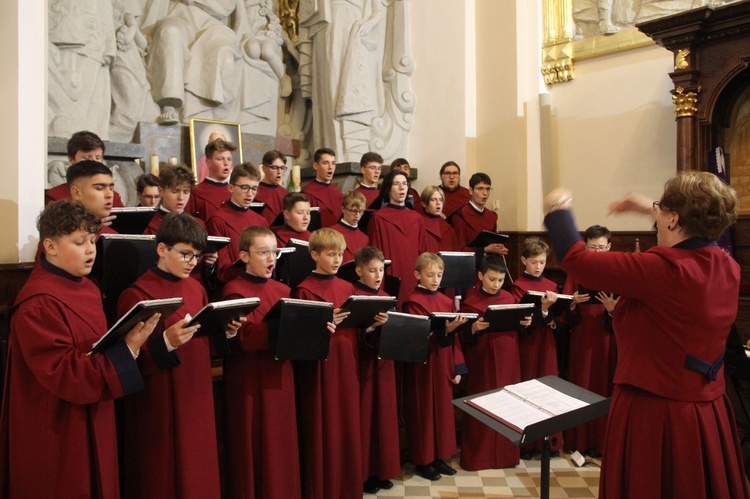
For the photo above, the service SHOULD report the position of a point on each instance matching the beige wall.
(9, 137)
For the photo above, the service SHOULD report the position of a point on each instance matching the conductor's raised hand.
(137, 336)
(559, 198)
(177, 334)
(632, 203)
(609, 301)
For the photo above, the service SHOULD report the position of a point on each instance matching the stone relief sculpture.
(81, 50)
(344, 83)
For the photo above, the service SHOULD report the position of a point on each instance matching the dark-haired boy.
(91, 184)
(402, 164)
(328, 391)
(212, 191)
(259, 390)
(270, 190)
(321, 191)
(455, 194)
(233, 216)
(58, 426)
(370, 165)
(377, 379)
(353, 204)
(493, 360)
(147, 190)
(296, 219)
(82, 145)
(472, 218)
(593, 354)
(170, 444)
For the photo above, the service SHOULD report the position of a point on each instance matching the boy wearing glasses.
(321, 191)
(592, 347)
(259, 390)
(472, 218)
(212, 191)
(233, 216)
(270, 191)
(170, 434)
(353, 205)
(412, 198)
(455, 195)
(370, 165)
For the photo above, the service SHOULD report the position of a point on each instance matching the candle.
(154, 164)
(296, 178)
(172, 161)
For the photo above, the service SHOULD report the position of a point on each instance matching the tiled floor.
(566, 480)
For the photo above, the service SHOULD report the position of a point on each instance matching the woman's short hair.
(706, 205)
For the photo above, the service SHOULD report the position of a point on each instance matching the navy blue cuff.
(460, 369)
(157, 348)
(562, 231)
(125, 365)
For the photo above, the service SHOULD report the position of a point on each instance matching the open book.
(141, 311)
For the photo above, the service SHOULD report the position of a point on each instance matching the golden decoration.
(557, 63)
(686, 102)
(681, 60)
(289, 16)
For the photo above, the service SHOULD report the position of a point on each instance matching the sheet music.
(545, 397)
(509, 409)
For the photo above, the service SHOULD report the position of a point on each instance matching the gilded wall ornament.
(686, 102)
(681, 59)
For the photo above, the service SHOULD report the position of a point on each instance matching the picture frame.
(200, 134)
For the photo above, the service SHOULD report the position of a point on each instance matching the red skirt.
(657, 447)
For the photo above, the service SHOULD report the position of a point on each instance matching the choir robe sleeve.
(48, 347)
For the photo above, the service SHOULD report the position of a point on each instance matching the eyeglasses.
(276, 168)
(354, 212)
(187, 255)
(451, 174)
(400, 184)
(594, 247)
(374, 168)
(264, 254)
(245, 188)
(149, 197)
(483, 189)
(657, 205)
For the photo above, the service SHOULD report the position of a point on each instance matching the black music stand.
(597, 406)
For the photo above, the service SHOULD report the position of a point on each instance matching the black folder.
(563, 301)
(141, 311)
(215, 317)
(507, 317)
(437, 325)
(297, 266)
(215, 243)
(592, 293)
(298, 329)
(315, 222)
(363, 309)
(120, 260)
(132, 220)
(460, 269)
(405, 337)
(258, 207)
(486, 237)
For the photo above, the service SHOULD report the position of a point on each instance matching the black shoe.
(554, 453)
(593, 453)
(371, 486)
(385, 484)
(427, 471)
(443, 468)
(526, 455)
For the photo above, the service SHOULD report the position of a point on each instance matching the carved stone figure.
(81, 50)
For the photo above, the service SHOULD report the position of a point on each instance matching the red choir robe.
(170, 432)
(285, 233)
(261, 424)
(493, 360)
(355, 239)
(537, 347)
(328, 198)
(592, 355)
(469, 223)
(378, 411)
(207, 197)
(57, 424)
(328, 405)
(671, 431)
(399, 233)
(440, 234)
(428, 390)
(454, 199)
(229, 221)
(273, 197)
(62, 192)
(370, 193)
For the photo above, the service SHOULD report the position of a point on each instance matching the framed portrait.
(204, 131)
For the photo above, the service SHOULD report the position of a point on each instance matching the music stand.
(597, 406)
